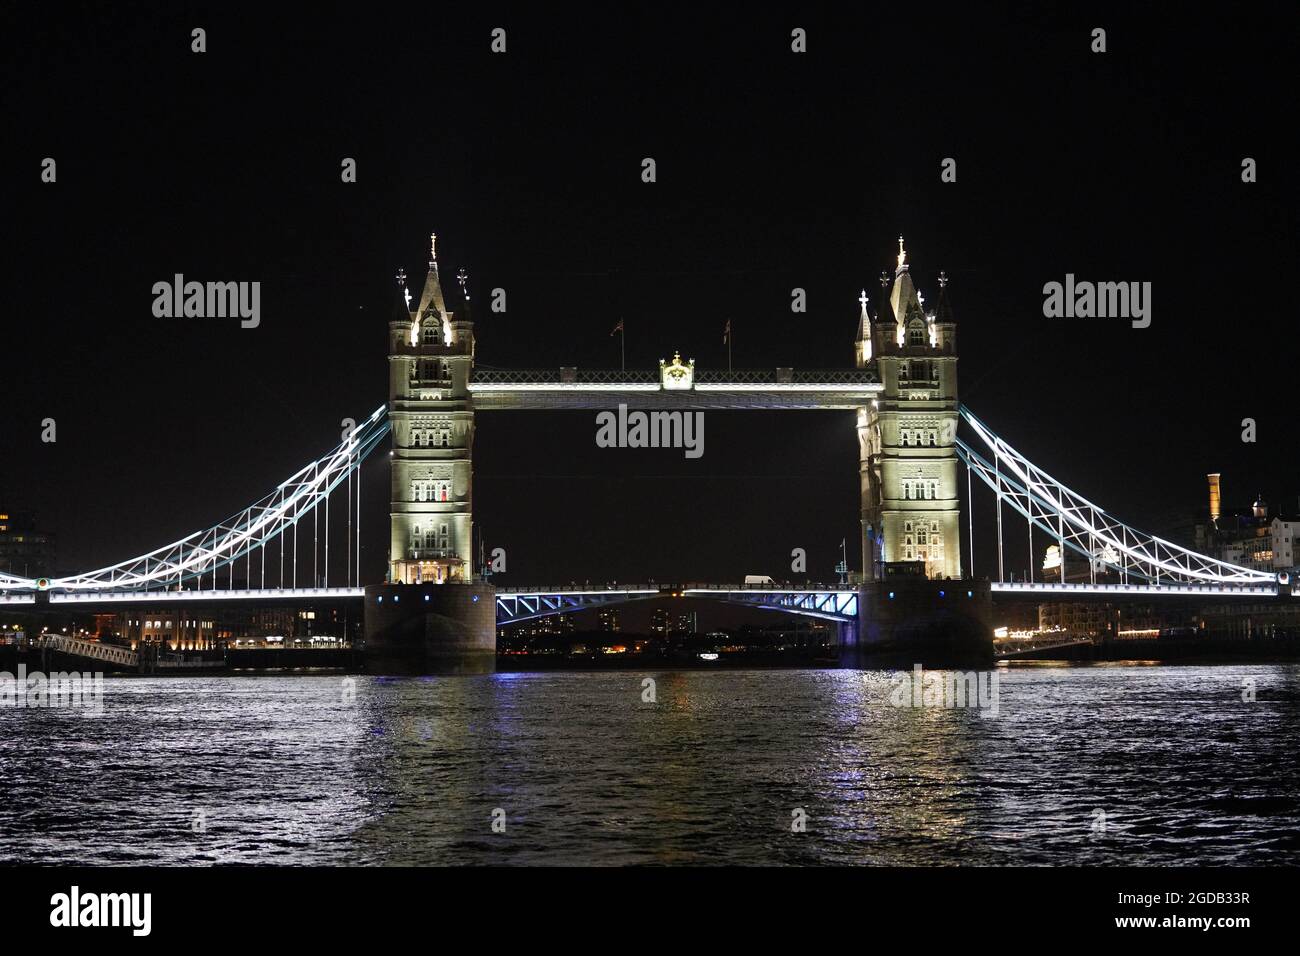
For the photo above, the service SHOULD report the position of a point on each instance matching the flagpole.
(622, 346)
(730, 335)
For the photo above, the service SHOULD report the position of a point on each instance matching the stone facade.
(911, 509)
(430, 356)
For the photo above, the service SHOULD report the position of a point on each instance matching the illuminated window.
(431, 331)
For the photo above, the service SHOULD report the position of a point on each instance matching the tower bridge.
(902, 391)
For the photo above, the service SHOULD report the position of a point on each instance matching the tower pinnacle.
(433, 247)
(902, 256)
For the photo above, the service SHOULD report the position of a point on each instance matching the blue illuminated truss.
(828, 603)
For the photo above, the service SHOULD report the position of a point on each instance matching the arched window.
(916, 333)
(431, 332)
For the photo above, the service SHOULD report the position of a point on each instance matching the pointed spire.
(883, 311)
(863, 319)
(943, 313)
(904, 299)
(402, 307)
(432, 294)
(462, 278)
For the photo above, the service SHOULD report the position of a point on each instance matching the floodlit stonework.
(430, 356)
(911, 510)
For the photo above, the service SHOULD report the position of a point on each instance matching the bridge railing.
(557, 377)
(92, 649)
(576, 376)
(671, 588)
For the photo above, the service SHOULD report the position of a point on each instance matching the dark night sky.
(775, 170)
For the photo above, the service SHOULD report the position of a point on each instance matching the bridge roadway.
(836, 602)
(830, 601)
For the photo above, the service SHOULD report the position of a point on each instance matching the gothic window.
(437, 538)
(442, 490)
(904, 370)
(916, 333)
(431, 331)
(442, 435)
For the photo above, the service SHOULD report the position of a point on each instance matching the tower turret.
(432, 415)
(862, 343)
(910, 504)
(884, 330)
(944, 324)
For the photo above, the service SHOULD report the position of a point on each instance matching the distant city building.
(550, 626)
(175, 628)
(609, 620)
(1255, 539)
(664, 621)
(24, 550)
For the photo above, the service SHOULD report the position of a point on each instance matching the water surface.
(1131, 764)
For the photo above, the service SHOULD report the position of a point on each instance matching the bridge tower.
(430, 356)
(911, 511)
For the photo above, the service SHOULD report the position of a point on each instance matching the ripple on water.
(1136, 765)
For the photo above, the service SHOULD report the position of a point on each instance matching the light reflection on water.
(285, 770)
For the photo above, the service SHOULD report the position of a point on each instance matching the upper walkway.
(647, 388)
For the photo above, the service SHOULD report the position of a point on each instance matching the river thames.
(1132, 764)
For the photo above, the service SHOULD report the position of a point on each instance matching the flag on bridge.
(726, 332)
(618, 328)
